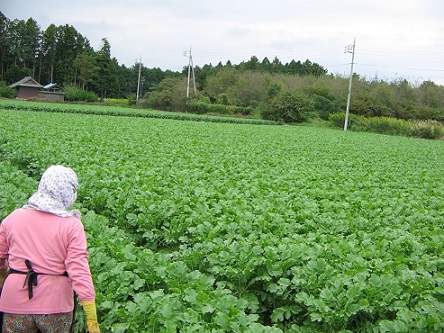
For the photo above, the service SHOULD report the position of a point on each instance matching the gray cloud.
(393, 40)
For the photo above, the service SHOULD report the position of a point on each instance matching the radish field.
(216, 227)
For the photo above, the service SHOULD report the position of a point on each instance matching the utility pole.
(138, 80)
(349, 49)
(191, 73)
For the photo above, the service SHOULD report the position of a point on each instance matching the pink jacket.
(53, 245)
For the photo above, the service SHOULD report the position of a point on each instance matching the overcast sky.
(394, 39)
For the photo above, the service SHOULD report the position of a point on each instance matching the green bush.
(73, 94)
(387, 125)
(197, 107)
(337, 119)
(355, 122)
(202, 108)
(288, 107)
(428, 130)
(161, 100)
(323, 106)
(247, 111)
(204, 99)
(220, 109)
(223, 99)
(132, 99)
(6, 91)
(168, 95)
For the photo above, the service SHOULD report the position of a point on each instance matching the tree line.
(264, 88)
(60, 54)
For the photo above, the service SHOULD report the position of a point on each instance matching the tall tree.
(265, 64)
(86, 67)
(58, 50)
(17, 32)
(66, 52)
(277, 65)
(17, 50)
(49, 45)
(251, 64)
(4, 44)
(295, 67)
(32, 41)
(105, 79)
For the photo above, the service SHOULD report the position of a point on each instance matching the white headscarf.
(56, 192)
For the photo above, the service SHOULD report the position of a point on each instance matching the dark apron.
(31, 280)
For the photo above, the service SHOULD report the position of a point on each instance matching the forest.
(270, 89)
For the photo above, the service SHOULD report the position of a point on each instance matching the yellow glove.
(91, 317)
(93, 326)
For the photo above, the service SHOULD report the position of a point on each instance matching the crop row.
(124, 112)
(236, 228)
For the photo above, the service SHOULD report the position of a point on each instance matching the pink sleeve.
(3, 248)
(77, 264)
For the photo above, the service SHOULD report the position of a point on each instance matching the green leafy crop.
(213, 227)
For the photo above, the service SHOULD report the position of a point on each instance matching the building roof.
(27, 81)
(50, 85)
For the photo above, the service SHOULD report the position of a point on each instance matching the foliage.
(132, 99)
(210, 227)
(388, 125)
(86, 65)
(222, 109)
(6, 91)
(288, 107)
(391, 126)
(16, 185)
(223, 99)
(104, 79)
(118, 101)
(293, 67)
(167, 95)
(428, 130)
(323, 106)
(74, 94)
(61, 54)
(102, 109)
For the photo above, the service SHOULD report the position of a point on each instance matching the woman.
(43, 251)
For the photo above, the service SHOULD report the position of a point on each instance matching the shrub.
(223, 99)
(288, 107)
(323, 106)
(387, 125)
(200, 107)
(74, 94)
(118, 101)
(355, 122)
(132, 99)
(197, 107)
(247, 111)
(428, 130)
(167, 95)
(6, 91)
(337, 119)
(161, 100)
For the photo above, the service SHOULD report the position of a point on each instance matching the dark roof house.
(27, 88)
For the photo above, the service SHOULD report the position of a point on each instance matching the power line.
(406, 68)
